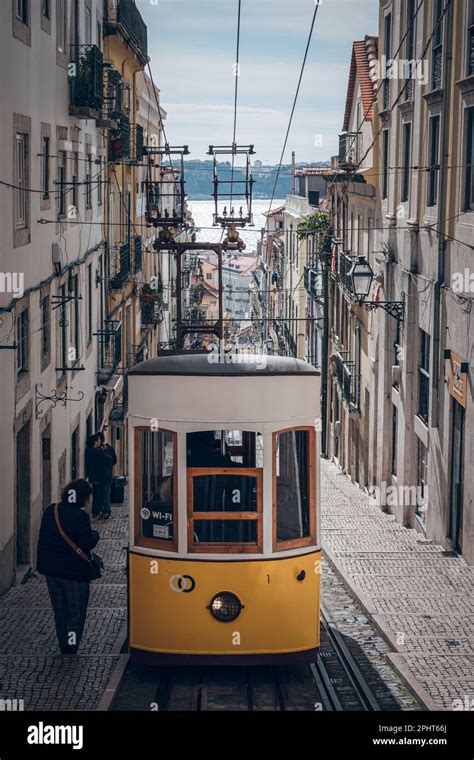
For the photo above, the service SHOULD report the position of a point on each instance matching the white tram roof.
(243, 365)
(197, 391)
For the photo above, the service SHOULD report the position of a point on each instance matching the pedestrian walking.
(99, 473)
(68, 571)
(111, 452)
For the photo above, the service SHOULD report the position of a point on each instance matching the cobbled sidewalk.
(421, 599)
(31, 667)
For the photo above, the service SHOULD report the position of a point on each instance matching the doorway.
(456, 477)
(46, 468)
(23, 489)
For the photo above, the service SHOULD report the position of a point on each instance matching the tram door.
(456, 484)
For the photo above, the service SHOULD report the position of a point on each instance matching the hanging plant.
(318, 223)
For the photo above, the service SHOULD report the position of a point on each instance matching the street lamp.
(361, 275)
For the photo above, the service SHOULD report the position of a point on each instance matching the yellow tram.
(224, 558)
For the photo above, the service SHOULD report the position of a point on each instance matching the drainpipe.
(441, 226)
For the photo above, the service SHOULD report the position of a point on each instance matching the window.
(385, 163)
(410, 47)
(89, 303)
(75, 321)
(89, 182)
(45, 327)
(99, 183)
(424, 376)
(360, 233)
(22, 11)
(45, 8)
(22, 341)
(470, 39)
(45, 173)
(294, 488)
(61, 182)
(397, 348)
(437, 54)
(394, 440)
(21, 181)
(387, 36)
(75, 180)
(88, 26)
(422, 480)
(406, 153)
(75, 454)
(155, 489)
(61, 25)
(62, 330)
(433, 161)
(99, 35)
(225, 490)
(469, 152)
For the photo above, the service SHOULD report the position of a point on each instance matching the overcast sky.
(192, 48)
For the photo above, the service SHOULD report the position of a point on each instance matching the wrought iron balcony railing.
(120, 139)
(151, 304)
(86, 82)
(137, 253)
(341, 265)
(110, 347)
(119, 265)
(112, 97)
(348, 382)
(136, 143)
(125, 16)
(350, 148)
(313, 282)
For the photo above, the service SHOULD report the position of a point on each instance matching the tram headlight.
(225, 606)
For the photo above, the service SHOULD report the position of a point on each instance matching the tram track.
(334, 682)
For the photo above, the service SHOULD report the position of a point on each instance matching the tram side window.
(293, 485)
(156, 485)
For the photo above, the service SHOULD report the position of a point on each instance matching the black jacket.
(55, 557)
(99, 464)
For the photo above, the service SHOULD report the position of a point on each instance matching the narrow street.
(378, 577)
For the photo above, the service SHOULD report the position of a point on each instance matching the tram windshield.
(224, 486)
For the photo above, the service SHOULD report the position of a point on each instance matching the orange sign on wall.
(458, 380)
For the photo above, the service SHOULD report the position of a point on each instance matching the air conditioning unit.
(396, 374)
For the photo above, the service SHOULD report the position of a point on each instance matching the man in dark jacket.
(110, 451)
(99, 466)
(67, 575)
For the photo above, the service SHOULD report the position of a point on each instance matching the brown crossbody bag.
(96, 564)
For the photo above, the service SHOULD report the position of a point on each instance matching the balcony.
(123, 16)
(289, 339)
(137, 253)
(86, 86)
(341, 265)
(110, 348)
(151, 304)
(112, 98)
(119, 265)
(350, 149)
(119, 146)
(136, 143)
(313, 283)
(348, 382)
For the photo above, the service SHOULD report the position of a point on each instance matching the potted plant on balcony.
(317, 223)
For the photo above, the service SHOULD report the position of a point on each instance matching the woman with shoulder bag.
(65, 558)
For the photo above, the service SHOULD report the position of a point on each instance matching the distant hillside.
(199, 179)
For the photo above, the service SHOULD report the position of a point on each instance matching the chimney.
(293, 171)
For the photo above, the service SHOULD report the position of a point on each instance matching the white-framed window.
(21, 10)
(61, 25)
(61, 184)
(21, 181)
(45, 173)
(22, 341)
(469, 153)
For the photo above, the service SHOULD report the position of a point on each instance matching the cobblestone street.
(420, 598)
(31, 667)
